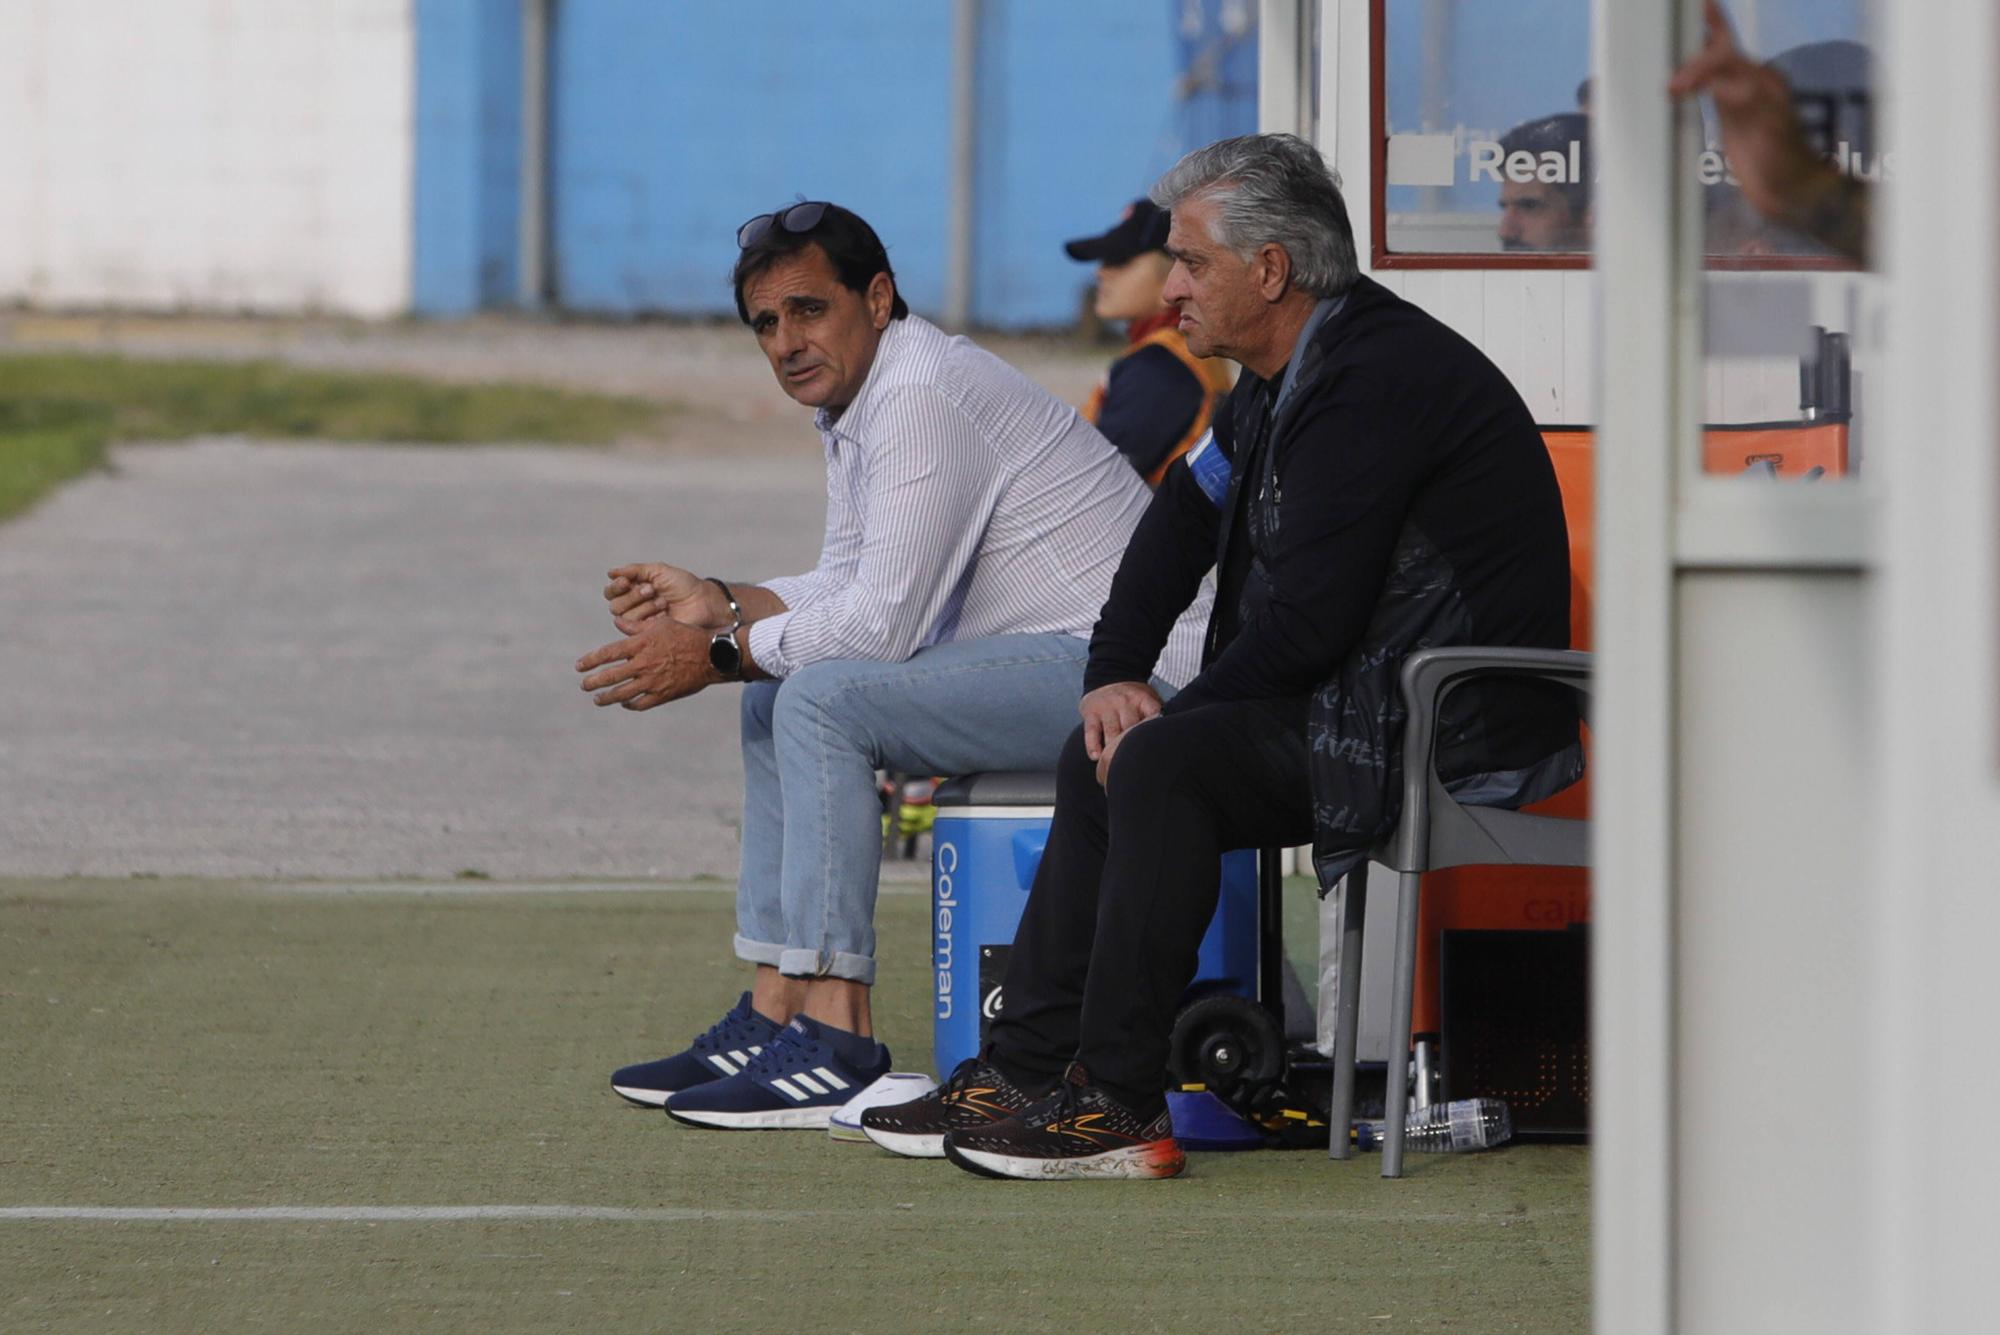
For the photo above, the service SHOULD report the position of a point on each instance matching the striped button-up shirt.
(962, 501)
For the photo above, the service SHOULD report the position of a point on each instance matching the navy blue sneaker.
(798, 1081)
(731, 1044)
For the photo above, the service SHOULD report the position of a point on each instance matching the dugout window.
(1480, 128)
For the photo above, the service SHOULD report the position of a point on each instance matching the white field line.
(423, 1214)
(373, 1214)
(480, 886)
(892, 884)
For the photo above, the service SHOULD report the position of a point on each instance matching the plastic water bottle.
(1448, 1128)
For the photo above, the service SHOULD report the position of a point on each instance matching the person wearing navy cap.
(1155, 401)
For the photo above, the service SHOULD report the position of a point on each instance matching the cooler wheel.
(1224, 1041)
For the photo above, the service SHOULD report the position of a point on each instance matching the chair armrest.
(1426, 670)
(1438, 831)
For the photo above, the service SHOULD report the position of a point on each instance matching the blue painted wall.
(1217, 87)
(672, 122)
(468, 155)
(1077, 116)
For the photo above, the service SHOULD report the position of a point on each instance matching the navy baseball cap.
(1143, 228)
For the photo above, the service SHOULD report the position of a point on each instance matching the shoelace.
(1060, 1105)
(789, 1051)
(719, 1035)
(961, 1077)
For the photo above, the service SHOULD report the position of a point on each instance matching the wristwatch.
(725, 655)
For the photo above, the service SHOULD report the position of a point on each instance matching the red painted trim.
(1378, 138)
(1777, 263)
(1715, 263)
(1410, 259)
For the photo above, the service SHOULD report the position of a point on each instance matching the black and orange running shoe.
(1077, 1131)
(976, 1095)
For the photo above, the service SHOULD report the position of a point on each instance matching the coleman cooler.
(985, 846)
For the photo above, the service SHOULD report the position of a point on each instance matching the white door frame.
(1938, 715)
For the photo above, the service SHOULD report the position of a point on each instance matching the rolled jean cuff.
(795, 963)
(758, 952)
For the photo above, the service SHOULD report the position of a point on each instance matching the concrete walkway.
(227, 659)
(280, 660)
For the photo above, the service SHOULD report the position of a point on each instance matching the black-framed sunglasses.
(794, 218)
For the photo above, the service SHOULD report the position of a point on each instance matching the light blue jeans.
(812, 824)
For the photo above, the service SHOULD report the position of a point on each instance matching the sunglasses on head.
(794, 218)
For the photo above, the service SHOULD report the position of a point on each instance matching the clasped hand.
(667, 615)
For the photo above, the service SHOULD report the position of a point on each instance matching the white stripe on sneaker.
(829, 1077)
(736, 1055)
(722, 1063)
(810, 1083)
(788, 1089)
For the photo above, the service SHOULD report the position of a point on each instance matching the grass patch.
(58, 411)
(185, 1043)
(43, 445)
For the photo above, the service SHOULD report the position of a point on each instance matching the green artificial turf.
(57, 411)
(167, 1043)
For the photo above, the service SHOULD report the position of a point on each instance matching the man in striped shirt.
(973, 525)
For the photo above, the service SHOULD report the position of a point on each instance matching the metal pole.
(964, 161)
(532, 240)
(1437, 34)
(1352, 906)
(1279, 60)
(1271, 933)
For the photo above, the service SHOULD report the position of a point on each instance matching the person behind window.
(1766, 143)
(1542, 213)
(1155, 400)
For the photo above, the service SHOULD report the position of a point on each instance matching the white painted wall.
(1536, 326)
(221, 154)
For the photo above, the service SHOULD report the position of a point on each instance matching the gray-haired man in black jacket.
(1373, 486)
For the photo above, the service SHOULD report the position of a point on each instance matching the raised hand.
(1780, 175)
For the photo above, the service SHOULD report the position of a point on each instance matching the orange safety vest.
(1216, 377)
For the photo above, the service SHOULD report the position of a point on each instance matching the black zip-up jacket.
(1403, 499)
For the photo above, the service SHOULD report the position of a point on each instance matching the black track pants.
(1126, 888)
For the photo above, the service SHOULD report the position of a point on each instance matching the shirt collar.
(854, 421)
(1327, 308)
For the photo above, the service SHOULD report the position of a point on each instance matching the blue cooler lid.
(999, 788)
